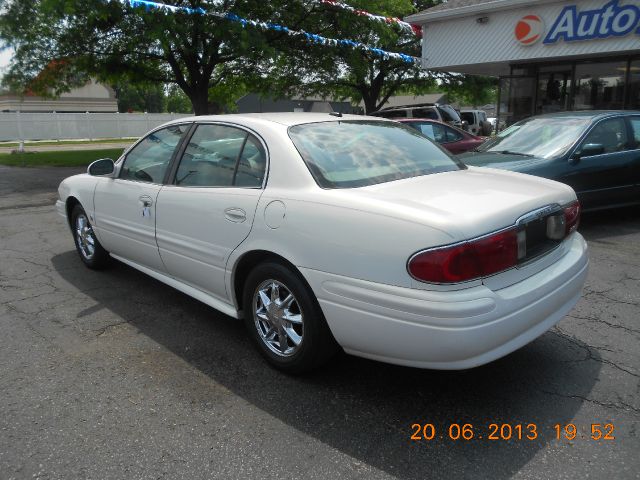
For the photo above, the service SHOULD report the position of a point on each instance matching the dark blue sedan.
(596, 153)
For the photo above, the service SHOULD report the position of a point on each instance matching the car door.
(601, 169)
(209, 207)
(125, 207)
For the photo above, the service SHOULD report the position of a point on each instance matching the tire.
(92, 254)
(293, 334)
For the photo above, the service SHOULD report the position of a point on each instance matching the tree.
(141, 98)
(112, 40)
(354, 73)
(177, 101)
(471, 90)
(210, 58)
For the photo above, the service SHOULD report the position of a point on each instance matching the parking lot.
(114, 375)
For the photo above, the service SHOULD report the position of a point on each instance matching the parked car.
(477, 121)
(596, 153)
(453, 139)
(433, 111)
(325, 231)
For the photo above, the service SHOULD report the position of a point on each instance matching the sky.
(5, 57)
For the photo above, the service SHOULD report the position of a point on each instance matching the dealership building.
(550, 55)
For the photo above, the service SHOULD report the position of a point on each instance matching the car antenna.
(336, 114)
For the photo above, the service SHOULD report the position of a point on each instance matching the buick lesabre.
(327, 232)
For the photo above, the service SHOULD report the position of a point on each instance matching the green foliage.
(114, 42)
(177, 101)
(347, 73)
(212, 60)
(140, 98)
(470, 90)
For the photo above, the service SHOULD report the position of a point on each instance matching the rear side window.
(349, 154)
(222, 156)
(434, 131)
(453, 135)
(429, 113)
(392, 114)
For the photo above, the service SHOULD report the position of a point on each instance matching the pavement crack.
(616, 406)
(589, 350)
(609, 324)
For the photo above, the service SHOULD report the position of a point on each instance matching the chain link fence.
(20, 126)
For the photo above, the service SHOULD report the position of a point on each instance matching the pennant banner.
(310, 37)
(390, 20)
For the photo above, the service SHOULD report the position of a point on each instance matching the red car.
(451, 138)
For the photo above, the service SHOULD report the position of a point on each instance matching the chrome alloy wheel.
(85, 237)
(278, 318)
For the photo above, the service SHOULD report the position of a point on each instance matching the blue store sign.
(612, 20)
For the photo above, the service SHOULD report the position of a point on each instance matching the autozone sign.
(572, 25)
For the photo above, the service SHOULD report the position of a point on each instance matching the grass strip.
(76, 158)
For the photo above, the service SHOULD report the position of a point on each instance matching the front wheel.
(87, 245)
(284, 319)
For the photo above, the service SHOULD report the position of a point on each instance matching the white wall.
(462, 44)
(68, 126)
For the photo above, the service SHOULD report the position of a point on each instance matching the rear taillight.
(572, 217)
(467, 261)
(492, 253)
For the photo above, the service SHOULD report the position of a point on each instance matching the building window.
(600, 86)
(634, 86)
(554, 88)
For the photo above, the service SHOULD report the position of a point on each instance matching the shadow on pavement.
(363, 408)
(601, 224)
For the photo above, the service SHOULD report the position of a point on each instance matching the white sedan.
(325, 232)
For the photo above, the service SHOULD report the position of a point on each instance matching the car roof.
(283, 118)
(431, 120)
(594, 114)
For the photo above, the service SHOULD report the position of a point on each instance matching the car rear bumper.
(449, 329)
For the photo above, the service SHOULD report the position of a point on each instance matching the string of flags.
(389, 20)
(310, 37)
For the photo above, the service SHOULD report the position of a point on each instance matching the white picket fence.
(20, 126)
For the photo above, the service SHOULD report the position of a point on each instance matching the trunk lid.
(465, 203)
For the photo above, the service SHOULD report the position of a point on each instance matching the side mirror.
(590, 149)
(102, 168)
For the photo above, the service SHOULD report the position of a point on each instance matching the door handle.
(235, 215)
(146, 200)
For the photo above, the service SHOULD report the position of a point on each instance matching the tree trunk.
(370, 104)
(201, 104)
(199, 97)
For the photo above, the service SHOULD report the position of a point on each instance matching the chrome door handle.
(235, 215)
(146, 200)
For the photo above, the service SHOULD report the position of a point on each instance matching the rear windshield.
(449, 114)
(349, 154)
(468, 117)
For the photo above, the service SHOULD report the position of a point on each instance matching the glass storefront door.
(554, 89)
(516, 99)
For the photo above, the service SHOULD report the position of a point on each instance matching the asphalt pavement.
(114, 375)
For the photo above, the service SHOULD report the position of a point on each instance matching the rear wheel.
(87, 245)
(284, 319)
